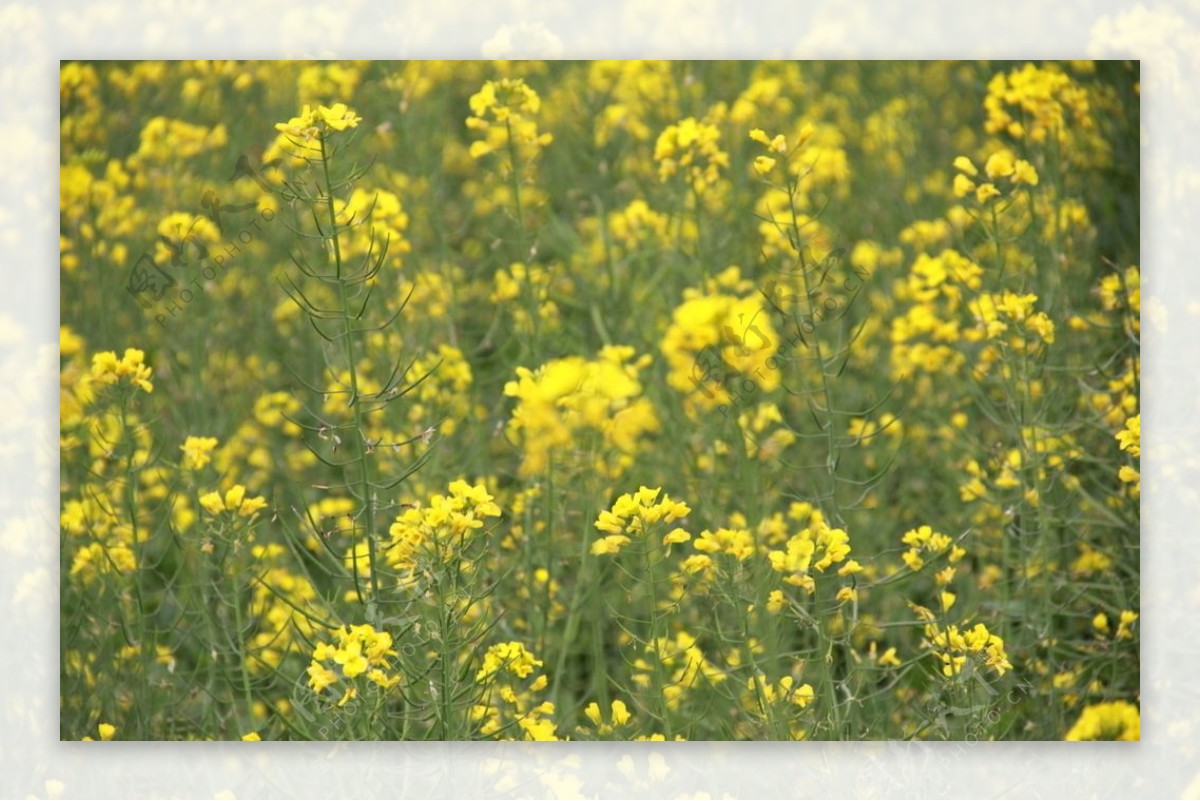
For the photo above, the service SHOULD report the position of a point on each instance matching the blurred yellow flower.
(197, 452)
(1116, 720)
(130, 368)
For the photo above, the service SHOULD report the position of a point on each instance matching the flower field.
(600, 400)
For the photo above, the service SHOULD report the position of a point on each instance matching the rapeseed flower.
(1114, 720)
(197, 452)
(129, 370)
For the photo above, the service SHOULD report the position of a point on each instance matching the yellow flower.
(777, 143)
(619, 715)
(889, 659)
(632, 513)
(849, 568)
(1024, 173)
(540, 729)
(986, 192)
(692, 147)
(948, 599)
(235, 500)
(963, 185)
(503, 113)
(197, 452)
(69, 343)
(107, 731)
(320, 677)
(1125, 626)
(952, 646)
(610, 545)
(1131, 438)
(1116, 720)
(447, 524)
(500, 99)
(776, 602)
(108, 369)
(338, 117)
(1000, 164)
(312, 123)
(964, 164)
(212, 503)
(697, 563)
(593, 713)
(359, 650)
(510, 656)
(925, 539)
(763, 164)
(738, 543)
(676, 536)
(252, 737)
(803, 695)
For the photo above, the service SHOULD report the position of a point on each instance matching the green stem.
(652, 564)
(365, 481)
(831, 456)
(239, 635)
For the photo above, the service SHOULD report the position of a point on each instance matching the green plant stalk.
(825, 654)
(240, 645)
(1034, 456)
(522, 241)
(368, 494)
(145, 648)
(444, 696)
(651, 550)
(831, 437)
(774, 725)
(580, 590)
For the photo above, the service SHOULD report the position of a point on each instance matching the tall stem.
(365, 481)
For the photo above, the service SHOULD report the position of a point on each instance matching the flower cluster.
(776, 145)
(164, 140)
(1001, 164)
(953, 646)
(635, 513)
(785, 690)
(682, 660)
(998, 314)
(1124, 624)
(358, 651)
(565, 399)
(1130, 440)
(618, 716)
(532, 283)
(197, 452)
(924, 540)
(693, 148)
(638, 91)
(130, 370)
(506, 702)
(927, 336)
(503, 111)
(234, 501)
(434, 531)
(720, 338)
(511, 657)
(1113, 720)
(817, 547)
(373, 220)
(1036, 102)
(313, 123)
